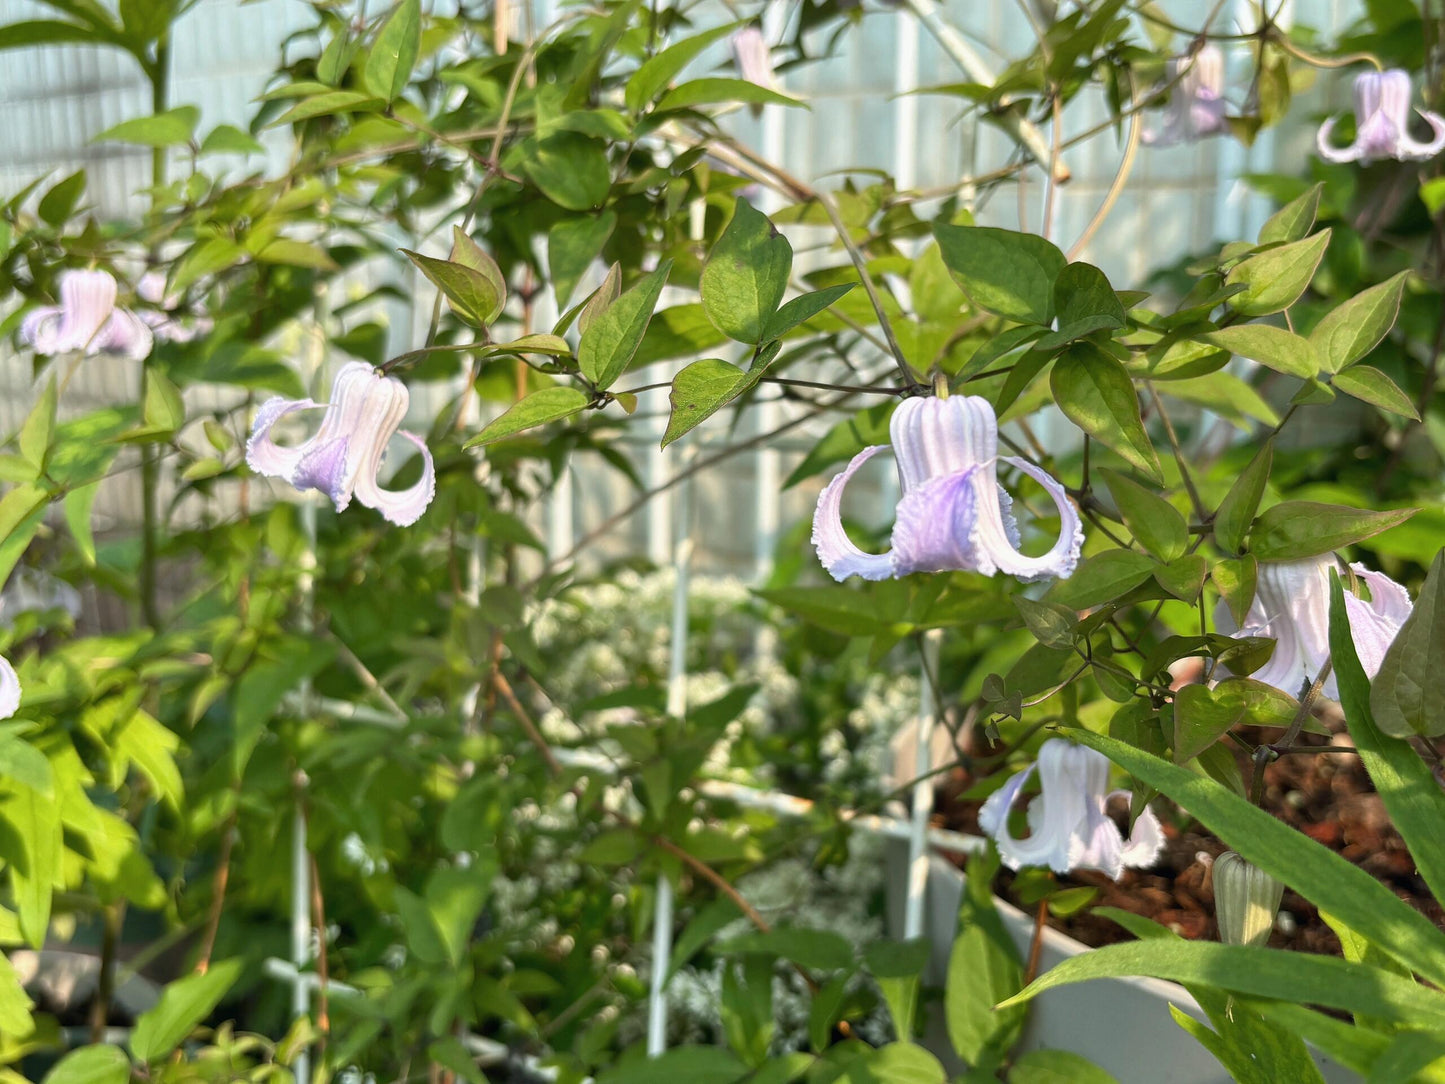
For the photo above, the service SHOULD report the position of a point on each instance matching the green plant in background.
(470, 752)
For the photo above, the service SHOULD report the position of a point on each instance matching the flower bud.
(1246, 900)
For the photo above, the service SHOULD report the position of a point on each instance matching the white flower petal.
(835, 549)
(9, 689)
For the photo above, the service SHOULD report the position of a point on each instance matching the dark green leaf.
(1406, 695)
(538, 408)
(821, 950)
(983, 969)
(746, 275)
(610, 341)
(1052, 623)
(1236, 512)
(570, 169)
(1200, 720)
(1081, 292)
(57, 204)
(393, 54)
(1095, 393)
(181, 1008)
(1103, 578)
(572, 245)
(1007, 273)
(1235, 580)
(1294, 529)
(1152, 520)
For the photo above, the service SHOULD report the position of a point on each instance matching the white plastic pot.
(1121, 1025)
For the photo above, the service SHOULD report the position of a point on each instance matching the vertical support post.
(922, 791)
(676, 707)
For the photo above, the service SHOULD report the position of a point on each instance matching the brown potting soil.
(1328, 796)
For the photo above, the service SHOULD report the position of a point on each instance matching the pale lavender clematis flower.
(1069, 825)
(753, 58)
(9, 689)
(87, 320)
(343, 458)
(1382, 119)
(953, 514)
(1292, 607)
(1196, 103)
(152, 288)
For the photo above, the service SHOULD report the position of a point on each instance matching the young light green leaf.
(78, 504)
(228, 139)
(1236, 512)
(39, 424)
(468, 253)
(470, 293)
(802, 309)
(606, 293)
(746, 275)
(1368, 384)
(1275, 279)
(983, 969)
(700, 390)
(1095, 393)
(653, 75)
(328, 104)
(58, 203)
(1355, 327)
(1295, 529)
(164, 411)
(1157, 524)
(1406, 697)
(610, 341)
(336, 58)
(166, 129)
(393, 54)
(1007, 273)
(1057, 1067)
(709, 91)
(1273, 347)
(538, 408)
(1294, 219)
(100, 1064)
(572, 245)
(182, 1006)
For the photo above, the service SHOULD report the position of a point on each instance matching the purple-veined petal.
(87, 300)
(835, 549)
(265, 456)
(994, 540)
(403, 507)
(39, 329)
(934, 526)
(9, 689)
(126, 334)
(322, 466)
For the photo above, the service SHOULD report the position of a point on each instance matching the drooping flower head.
(9, 689)
(953, 514)
(1292, 607)
(1382, 122)
(753, 58)
(343, 458)
(87, 320)
(1196, 101)
(152, 288)
(1069, 825)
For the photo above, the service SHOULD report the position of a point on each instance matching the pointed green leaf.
(471, 255)
(180, 1010)
(39, 424)
(1406, 697)
(58, 203)
(571, 169)
(709, 91)
(1295, 529)
(1200, 720)
(1368, 384)
(166, 129)
(393, 54)
(228, 139)
(1236, 512)
(91, 1065)
(803, 308)
(78, 504)
(607, 346)
(700, 390)
(1275, 279)
(329, 103)
(1273, 347)
(1007, 273)
(1355, 327)
(1103, 578)
(1235, 580)
(470, 293)
(538, 408)
(657, 71)
(1095, 393)
(1294, 220)
(746, 275)
(1157, 524)
(572, 245)
(1082, 292)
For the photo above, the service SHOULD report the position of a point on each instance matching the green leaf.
(228, 139)
(1294, 219)
(1095, 393)
(1406, 695)
(802, 309)
(1200, 720)
(329, 103)
(336, 58)
(449, 1053)
(46, 32)
(21, 762)
(1003, 343)
(1367, 383)
(39, 424)
(1151, 519)
(693, 1064)
(983, 969)
(1355, 327)
(393, 54)
(1102, 578)
(817, 950)
(898, 967)
(570, 169)
(746, 275)
(182, 1006)
(1183, 577)
(1236, 512)
(607, 346)
(293, 253)
(656, 72)
(572, 245)
(455, 897)
(1275, 279)
(708, 91)
(896, 1063)
(470, 293)
(167, 129)
(1408, 1053)
(538, 408)
(1085, 303)
(1052, 623)
(1057, 1067)
(58, 203)
(1320, 875)
(700, 390)
(1007, 273)
(1235, 579)
(1294, 529)
(1327, 981)
(1273, 347)
(91, 1065)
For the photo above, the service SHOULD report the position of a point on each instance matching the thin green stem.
(159, 75)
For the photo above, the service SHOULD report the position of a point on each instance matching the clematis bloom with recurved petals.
(953, 514)
(1196, 102)
(162, 319)
(1292, 607)
(343, 458)
(1382, 120)
(1069, 824)
(87, 320)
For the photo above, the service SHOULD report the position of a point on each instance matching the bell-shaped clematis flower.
(161, 319)
(752, 57)
(1292, 607)
(343, 458)
(9, 689)
(87, 320)
(953, 514)
(1069, 825)
(1382, 120)
(1196, 102)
